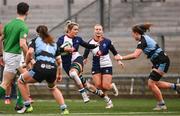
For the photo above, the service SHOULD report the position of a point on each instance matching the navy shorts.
(161, 62)
(43, 71)
(78, 61)
(104, 70)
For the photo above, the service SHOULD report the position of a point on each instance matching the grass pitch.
(96, 107)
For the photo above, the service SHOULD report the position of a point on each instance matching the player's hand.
(120, 63)
(29, 66)
(59, 78)
(99, 53)
(118, 57)
(33, 61)
(97, 44)
(69, 49)
(85, 61)
(24, 65)
(1, 61)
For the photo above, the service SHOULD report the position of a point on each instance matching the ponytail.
(42, 30)
(142, 28)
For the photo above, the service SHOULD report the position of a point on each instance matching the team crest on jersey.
(104, 45)
(25, 35)
(139, 42)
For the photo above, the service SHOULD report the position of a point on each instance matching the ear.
(27, 13)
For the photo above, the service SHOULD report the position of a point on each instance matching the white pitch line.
(38, 100)
(165, 112)
(102, 114)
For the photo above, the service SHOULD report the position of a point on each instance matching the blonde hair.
(69, 25)
(98, 25)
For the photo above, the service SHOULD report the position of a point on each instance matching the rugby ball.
(65, 44)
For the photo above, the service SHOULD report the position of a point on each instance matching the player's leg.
(7, 99)
(91, 88)
(19, 100)
(107, 80)
(74, 73)
(160, 67)
(50, 78)
(154, 77)
(168, 85)
(106, 84)
(23, 80)
(58, 97)
(7, 80)
(97, 80)
(10, 65)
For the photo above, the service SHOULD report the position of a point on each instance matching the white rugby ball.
(65, 44)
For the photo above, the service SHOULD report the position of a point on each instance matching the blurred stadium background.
(117, 17)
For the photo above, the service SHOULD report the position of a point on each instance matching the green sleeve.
(24, 32)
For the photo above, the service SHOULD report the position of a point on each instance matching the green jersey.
(13, 32)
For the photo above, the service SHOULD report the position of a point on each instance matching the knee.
(151, 84)
(21, 80)
(51, 86)
(98, 85)
(73, 74)
(106, 86)
(6, 84)
(155, 76)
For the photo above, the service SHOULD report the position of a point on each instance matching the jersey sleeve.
(59, 43)
(86, 51)
(142, 43)
(58, 52)
(87, 45)
(32, 43)
(24, 32)
(113, 49)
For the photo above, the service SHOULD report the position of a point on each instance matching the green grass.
(137, 107)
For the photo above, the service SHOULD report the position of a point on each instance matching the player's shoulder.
(91, 40)
(61, 37)
(32, 40)
(78, 37)
(107, 40)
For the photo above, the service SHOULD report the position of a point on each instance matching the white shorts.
(22, 60)
(12, 62)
